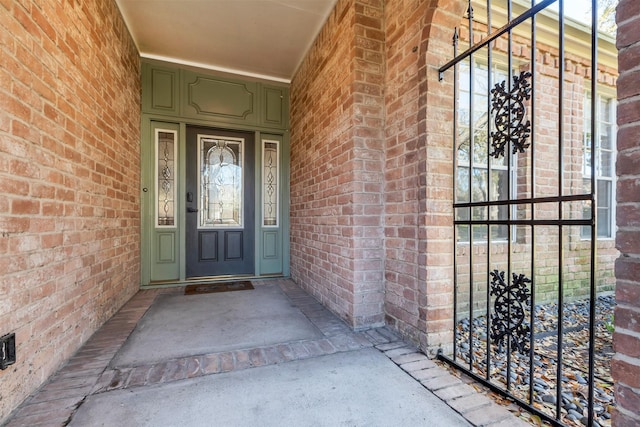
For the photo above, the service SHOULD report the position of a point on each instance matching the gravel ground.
(573, 384)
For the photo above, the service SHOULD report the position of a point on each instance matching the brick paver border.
(88, 371)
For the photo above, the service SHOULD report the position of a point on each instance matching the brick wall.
(69, 178)
(336, 164)
(418, 184)
(625, 366)
(404, 50)
(345, 170)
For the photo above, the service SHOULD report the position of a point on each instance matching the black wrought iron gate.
(526, 211)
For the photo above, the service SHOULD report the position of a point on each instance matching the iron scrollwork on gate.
(507, 321)
(510, 114)
(500, 336)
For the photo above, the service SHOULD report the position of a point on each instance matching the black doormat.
(209, 288)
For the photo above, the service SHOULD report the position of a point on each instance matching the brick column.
(625, 366)
(337, 242)
(418, 170)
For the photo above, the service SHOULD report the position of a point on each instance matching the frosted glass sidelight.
(165, 178)
(270, 190)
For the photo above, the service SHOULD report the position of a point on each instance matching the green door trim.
(263, 268)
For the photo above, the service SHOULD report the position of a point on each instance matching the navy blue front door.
(219, 202)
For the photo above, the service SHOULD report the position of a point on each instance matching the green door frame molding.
(174, 97)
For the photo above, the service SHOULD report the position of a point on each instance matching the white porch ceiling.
(256, 38)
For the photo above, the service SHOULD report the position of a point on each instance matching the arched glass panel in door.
(221, 182)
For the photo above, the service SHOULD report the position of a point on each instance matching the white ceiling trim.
(214, 68)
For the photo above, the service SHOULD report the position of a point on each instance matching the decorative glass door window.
(270, 190)
(165, 173)
(220, 162)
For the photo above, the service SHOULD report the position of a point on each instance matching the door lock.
(189, 197)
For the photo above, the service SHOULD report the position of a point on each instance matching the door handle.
(192, 210)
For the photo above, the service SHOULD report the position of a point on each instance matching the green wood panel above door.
(224, 100)
(274, 107)
(160, 89)
(184, 93)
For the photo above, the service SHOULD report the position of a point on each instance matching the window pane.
(605, 137)
(463, 147)
(270, 190)
(480, 233)
(479, 191)
(464, 76)
(604, 223)
(165, 178)
(499, 185)
(220, 182)
(587, 157)
(604, 208)
(605, 113)
(462, 194)
(604, 193)
(480, 137)
(499, 232)
(500, 191)
(480, 213)
(462, 233)
(606, 163)
(585, 231)
(500, 161)
(480, 177)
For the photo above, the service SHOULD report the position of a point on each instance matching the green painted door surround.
(175, 98)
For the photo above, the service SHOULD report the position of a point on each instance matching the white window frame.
(610, 101)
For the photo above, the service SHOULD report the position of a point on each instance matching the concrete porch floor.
(272, 356)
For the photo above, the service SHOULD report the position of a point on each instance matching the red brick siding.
(404, 21)
(336, 164)
(436, 204)
(418, 183)
(368, 163)
(625, 366)
(337, 200)
(69, 178)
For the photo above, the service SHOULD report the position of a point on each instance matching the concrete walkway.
(292, 363)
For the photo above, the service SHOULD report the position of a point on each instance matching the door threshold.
(218, 278)
(207, 279)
